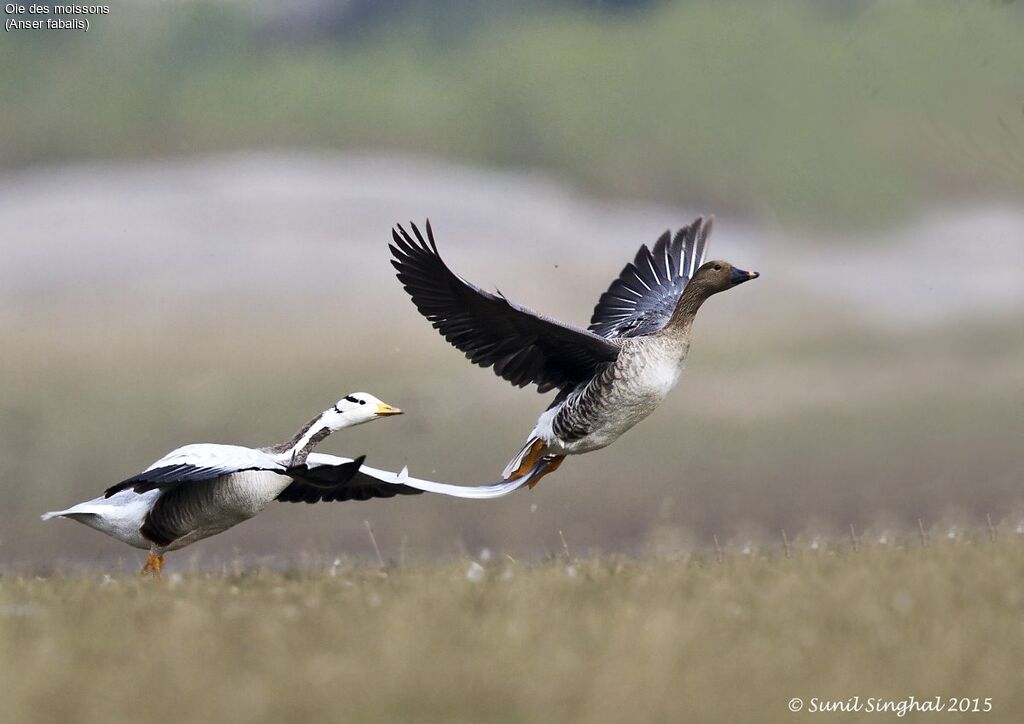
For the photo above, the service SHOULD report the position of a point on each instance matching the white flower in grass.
(475, 573)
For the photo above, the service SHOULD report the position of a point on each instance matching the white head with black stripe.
(355, 409)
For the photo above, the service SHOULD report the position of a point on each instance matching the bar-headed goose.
(200, 490)
(609, 376)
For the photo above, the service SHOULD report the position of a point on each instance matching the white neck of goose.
(296, 450)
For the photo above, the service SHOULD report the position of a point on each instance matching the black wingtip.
(406, 245)
(430, 237)
(419, 237)
(132, 482)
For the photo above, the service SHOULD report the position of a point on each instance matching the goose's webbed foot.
(154, 564)
(546, 466)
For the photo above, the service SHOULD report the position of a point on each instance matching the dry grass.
(594, 640)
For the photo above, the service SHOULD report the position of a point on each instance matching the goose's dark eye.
(362, 402)
(718, 267)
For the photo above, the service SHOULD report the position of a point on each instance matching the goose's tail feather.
(75, 512)
(72, 514)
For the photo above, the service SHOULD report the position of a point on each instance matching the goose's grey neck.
(297, 449)
(681, 321)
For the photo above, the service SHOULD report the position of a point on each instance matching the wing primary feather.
(702, 240)
(430, 236)
(641, 300)
(171, 476)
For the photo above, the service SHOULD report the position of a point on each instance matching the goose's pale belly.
(234, 499)
(591, 419)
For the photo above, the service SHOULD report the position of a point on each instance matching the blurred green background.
(835, 111)
(196, 200)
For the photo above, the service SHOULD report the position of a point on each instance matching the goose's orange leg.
(550, 465)
(154, 564)
(529, 460)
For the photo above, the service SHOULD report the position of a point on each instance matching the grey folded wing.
(197, 462)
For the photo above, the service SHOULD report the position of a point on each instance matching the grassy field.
(714, 637)
(819, 113)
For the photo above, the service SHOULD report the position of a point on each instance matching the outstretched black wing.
(522, 346)
(173, 512)
(644, 296)
(329, 483)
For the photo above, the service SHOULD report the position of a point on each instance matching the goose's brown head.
(717, 276)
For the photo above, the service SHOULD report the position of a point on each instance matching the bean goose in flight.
(609, 376)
